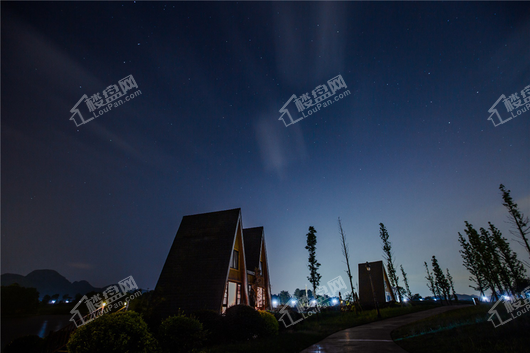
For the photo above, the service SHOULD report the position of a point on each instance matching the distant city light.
(334, 301)
(421, 299)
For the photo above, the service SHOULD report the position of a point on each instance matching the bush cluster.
(270, 324)
(127, 332)
(180, 334)
(119, 332)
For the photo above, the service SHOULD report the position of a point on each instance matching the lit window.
(235, 260)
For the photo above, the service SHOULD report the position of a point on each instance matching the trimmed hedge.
(124, 332)
(243, 322)
(270, 324)
(181, 334)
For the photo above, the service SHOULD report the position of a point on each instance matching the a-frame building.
(257, 268)
(206, 267)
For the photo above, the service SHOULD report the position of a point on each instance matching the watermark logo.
(98, 105)
(312, 104)
(511, 309)
(98, 306)
(303, 304)
(513, 103)
(335, 285)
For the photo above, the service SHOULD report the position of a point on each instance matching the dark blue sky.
(410, 147)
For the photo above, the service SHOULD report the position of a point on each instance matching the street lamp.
(373, 291)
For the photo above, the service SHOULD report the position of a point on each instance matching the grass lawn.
(464, 330)
(313, 329)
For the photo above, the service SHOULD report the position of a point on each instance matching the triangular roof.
(253, 240)
(199, 261)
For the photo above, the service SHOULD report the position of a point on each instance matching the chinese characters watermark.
(312, 104)
(303, 304)
(512, 308)
(98, 105)
(513, 103)
(96, 305)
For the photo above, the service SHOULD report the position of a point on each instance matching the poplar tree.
(346, 254)
(512, 265)
(520, 223)
(481, 257)
(314, 277)
(451, 284)
(406, 281)
(439, 279)
(468, 255)
(430, 281)
(498, 268)
(388, 256)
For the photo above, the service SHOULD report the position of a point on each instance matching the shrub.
(120, 332)
(180, 334)
(270, 324)
(284, 315)
(212, 324)
(25, 344)
(243, 322)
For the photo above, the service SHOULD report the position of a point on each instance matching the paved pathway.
(372, 338)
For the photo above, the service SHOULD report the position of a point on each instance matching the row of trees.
(314, 277)
(488, 257)
(17, 300)
(440, 285)
(490, 261)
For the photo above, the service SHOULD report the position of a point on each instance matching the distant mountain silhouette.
(49, 282)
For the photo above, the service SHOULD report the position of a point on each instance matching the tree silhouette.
(388, 256)
(520, 223)
(346, 254)
(314, 277)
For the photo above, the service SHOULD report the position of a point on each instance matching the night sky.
(410, 147)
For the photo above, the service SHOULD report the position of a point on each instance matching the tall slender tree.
(314, 277)
(439, 280)
(511, 264)
(520, 223)
(480, 256)
(406, 281)
(430, 281)
(388, 256)
(346, 254)
(451, 284)
(502, 277)
(468, 255)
